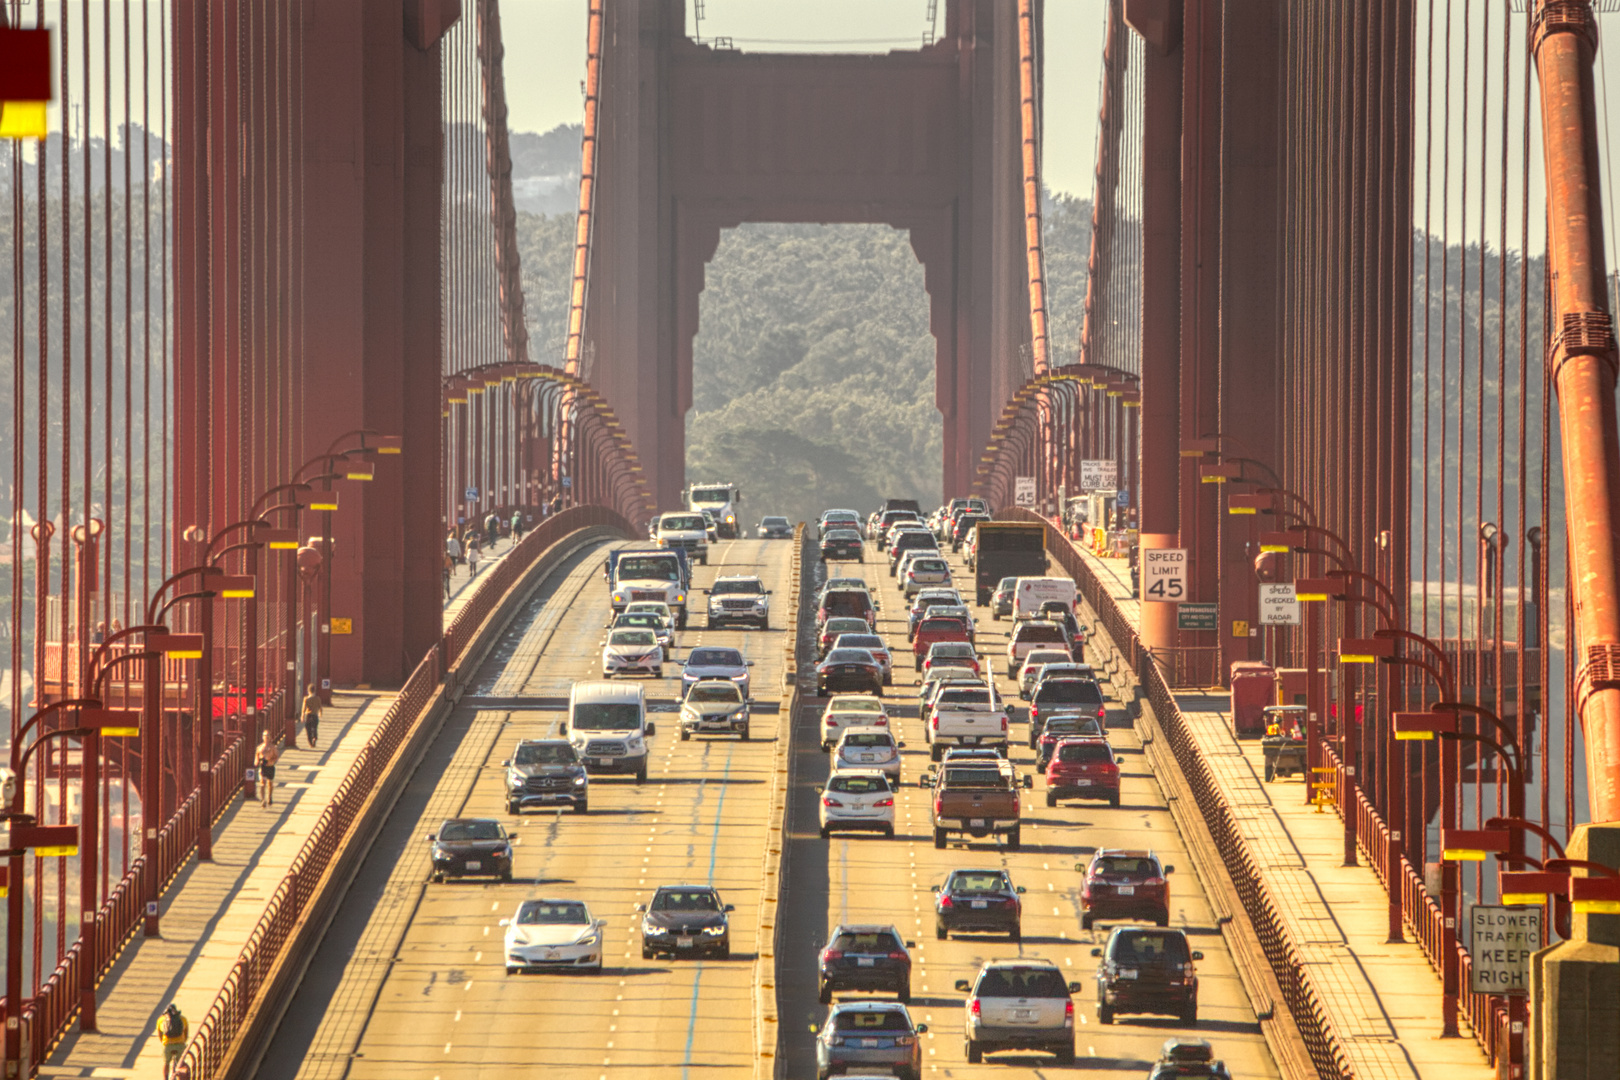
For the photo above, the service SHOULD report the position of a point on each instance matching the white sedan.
(630, 649)
(857, 799)
(553, 934)
(850, 710)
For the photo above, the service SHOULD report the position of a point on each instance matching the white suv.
(868, 748)
(1019, 1005)
(857, 799)
(684, 529)
(739, 599)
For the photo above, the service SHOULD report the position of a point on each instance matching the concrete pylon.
(1575, 985)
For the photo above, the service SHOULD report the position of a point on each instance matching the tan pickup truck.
(979, 797)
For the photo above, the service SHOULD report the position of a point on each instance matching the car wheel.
(935, 752)
(1113, 800)
(745, 733)
(506, 875)
(438, 876)
(888, 679)
(686, 736)
(825, 996)
(1163, 917)
(646, 953)
(995, 616)
(658, 672)
(680, 621)
(903, 992)
(582, 807)
(1085, 921)
(888, 831)
(1105, 1015)
(511, 971)
(939, 838)
(513, 808)
(723, 952)
(940, 932)
(1014, 838)
(704, 558)
(1051, 798)
(1064, 1053)
(975, 1052)
(1017, 932)
(825, 832)
(917, 661)
(641, 775)
(1189, 1015)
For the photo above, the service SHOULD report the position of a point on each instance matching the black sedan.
(849, 670)
(685, 920)
(866, 958)
(471, 846)
(775, 528)
(978, 901)
(842, 544)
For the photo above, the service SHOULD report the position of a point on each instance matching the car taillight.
(1102, 714)
(882, 721)
(973, 1007)
(897, 956)
(939, 806)
(885, 802)
(1068, 1012)
(1154, 881)
(833, 954)
(828, 800)
(832, 723)
(933, 720)
(946, 901)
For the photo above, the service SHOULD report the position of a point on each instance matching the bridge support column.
(1575, 985)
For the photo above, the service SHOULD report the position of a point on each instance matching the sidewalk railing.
(1310, 1017)
(293, 896)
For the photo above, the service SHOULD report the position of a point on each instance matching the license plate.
(870, 1044)
(868, 757)
(980, 903)
(603, 760)
(1082, 782)
(850, 669)
(865, 961)
(1023, 1014)
(474, 864)
(1128, 973)
(683, 943)
(1125, 890)
(969, 740)
(977, 822)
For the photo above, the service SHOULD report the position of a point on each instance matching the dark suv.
(545, 772)
(978, 901)
(1124, 884)
(1147, 971)
(866, 958)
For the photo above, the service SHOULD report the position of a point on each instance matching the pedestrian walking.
(449, 567)
(492, 529)
(452, 548)
(265, 761)
(517, 525)
(173, 1032)
(312, 716)
(472, 558)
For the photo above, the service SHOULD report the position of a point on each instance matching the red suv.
(938, 628)
(1083, 768)
(1124, 884)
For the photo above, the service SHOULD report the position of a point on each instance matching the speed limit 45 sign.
(1164, 574)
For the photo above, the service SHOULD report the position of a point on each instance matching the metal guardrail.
(291, 900)
(1304, 1004)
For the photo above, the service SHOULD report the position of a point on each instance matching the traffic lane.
(869, 880)
(447, 1000)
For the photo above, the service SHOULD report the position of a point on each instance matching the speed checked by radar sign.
(1164, 574)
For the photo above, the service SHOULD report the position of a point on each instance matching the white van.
(608, 727)
(1029, 593)
(684, 529)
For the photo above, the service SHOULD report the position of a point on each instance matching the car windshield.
(648, 607)
(682, 522)
(951, 648)
(648, 570)
(942, 625)
(606, 716)
(1069, 692)
(844, 625)
(716, 691)
(739, 585)
(454, 831)
(968, 695)
(869, 738)
(866, 941)
(886, 1020)
(926, 600)
(557, 753)
(843, 583)
(1029, 632)
(1128, 866)
(847, 600)
(859, 704)
(1021, 982)
(685, 900)
(719, 495)
(1147, 946)
(843, 534)
(714, 658)
(1084, 753)
(639, 618)
(849, 656)
(632, 637)
(857, 785)
(978, 881)
(773, 521)
(1072, 725)
(550, 912)
(1040, 657)
(973, 776)
(858, 641)
(929, 566)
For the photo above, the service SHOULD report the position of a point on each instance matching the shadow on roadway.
(803, 913)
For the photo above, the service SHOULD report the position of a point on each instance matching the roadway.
(866, 878)
(410, 981)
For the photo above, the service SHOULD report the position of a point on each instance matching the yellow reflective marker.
(67, 851)
(283, 545)
(1276, 549)
(23, 120)
(1524, 899)
(121, 732)
(329, 504)
(1317, 596)
(1357, 658)
(1241, 510)
(237, 594)
(185, 654)
(1463, 855)
(1414, 736)
(1597, 907)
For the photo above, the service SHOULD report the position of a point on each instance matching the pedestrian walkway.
(1382, 999)
(462, 580)
(211, 907)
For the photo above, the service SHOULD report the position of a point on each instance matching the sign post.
(1279, 606)
(1024, 492)
(1164, 574)
(1502, 940)
(1098, 473)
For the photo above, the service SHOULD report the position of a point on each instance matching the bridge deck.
(1383, 999)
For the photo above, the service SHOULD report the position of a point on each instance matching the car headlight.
(714, 931)
(635, 742)
(680, 598)
(731, 519)
(651, 929)
(761, 601)
(514, 782)
(439, 852)
(579, 781)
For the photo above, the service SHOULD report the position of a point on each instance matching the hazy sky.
(545, 52)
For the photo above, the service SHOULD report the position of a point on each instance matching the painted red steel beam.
(508, 263)
(1582, 361)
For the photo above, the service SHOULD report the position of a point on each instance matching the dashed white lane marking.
(458, 1016)
(469, 985)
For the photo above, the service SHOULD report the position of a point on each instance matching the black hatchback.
(978, 901)
(866, 958)
(1147, 970)
(841, 544)
(468, 846)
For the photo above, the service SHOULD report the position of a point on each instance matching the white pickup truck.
(966, 716)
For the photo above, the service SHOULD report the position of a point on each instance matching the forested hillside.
(813, 380)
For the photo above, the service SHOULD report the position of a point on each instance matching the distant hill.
(545, 169)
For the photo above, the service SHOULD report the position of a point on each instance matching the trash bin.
(1254, 686)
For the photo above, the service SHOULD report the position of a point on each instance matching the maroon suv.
(1082, 768)
(1124, 884)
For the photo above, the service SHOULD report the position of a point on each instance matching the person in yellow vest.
(172, 1032)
